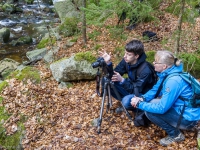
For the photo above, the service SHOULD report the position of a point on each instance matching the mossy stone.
(25, 74)
(88, 56)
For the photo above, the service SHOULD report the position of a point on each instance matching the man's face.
(130, 57)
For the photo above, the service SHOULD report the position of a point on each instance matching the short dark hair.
(135, 46)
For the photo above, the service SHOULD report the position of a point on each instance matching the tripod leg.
(109, 102)
(101, 111)
(120, 99)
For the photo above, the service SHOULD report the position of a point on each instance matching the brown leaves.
(62, 118)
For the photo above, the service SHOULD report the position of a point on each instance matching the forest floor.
(62, 118)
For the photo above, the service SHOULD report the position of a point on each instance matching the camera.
(99, 63)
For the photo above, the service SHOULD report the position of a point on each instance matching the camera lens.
(95, 64)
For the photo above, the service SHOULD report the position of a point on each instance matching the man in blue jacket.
(137, 82)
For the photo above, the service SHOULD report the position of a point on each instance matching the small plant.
(97, 47)
(191, 63)
(69, 27)
(3, 85)
(150, 56)
(94, 34)
(118, 33)
(74, 39)
(45, 42)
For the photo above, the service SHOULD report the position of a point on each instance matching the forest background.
(47, 117)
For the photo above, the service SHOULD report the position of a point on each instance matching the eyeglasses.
(156, 63)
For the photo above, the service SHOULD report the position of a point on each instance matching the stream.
(33, 21)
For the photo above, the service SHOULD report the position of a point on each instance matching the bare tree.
(84, 24)
(177, 45)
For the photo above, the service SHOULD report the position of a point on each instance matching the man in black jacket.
(137, 82)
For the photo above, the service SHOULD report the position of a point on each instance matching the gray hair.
(168, 58)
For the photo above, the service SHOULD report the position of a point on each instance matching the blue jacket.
(144, 81)
(173, 88)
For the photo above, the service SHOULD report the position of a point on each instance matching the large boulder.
(66, 9)
(4, 35)
(71, 70)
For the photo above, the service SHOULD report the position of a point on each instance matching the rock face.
(66, 9)
(70, 70)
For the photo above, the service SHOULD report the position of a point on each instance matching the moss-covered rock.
(26, 74)
(88, 56)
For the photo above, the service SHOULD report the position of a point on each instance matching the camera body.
(99, 63)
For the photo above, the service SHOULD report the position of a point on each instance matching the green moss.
(94, 34)
(85, 56)
(25, 74)
(96, 47)
(68, 27)
(45, 42)
(150, 56)
(3, 85)
(74, 39)
(10, 142)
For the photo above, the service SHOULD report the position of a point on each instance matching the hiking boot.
(119, 110)
(168, 140)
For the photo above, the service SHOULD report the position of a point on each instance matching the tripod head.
(104, 73)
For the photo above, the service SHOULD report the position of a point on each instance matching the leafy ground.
(62, 118)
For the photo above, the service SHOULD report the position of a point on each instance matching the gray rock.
(66, 8)
(36, 54)
(70, 70)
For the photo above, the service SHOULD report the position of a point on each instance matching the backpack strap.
(141, 67)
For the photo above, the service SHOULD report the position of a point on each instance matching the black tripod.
(106, 92)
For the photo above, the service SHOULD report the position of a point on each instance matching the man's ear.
(137, 56)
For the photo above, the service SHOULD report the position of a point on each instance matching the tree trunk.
(177, 46)
(84, 24)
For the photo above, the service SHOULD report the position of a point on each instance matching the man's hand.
(117, 77)
(105, 56)
(135, 100)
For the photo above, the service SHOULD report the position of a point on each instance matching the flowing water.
(25, 24)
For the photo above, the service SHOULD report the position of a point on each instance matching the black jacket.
(144, 81)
